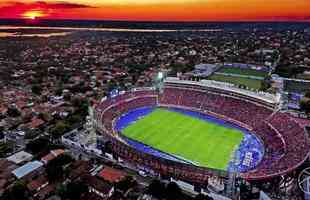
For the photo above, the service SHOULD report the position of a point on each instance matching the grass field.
(204, 143)
(250, 83)
(246, 72)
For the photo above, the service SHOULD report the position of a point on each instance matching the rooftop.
(27, 168)
(52, 155)
(20, 157)
(112, 175)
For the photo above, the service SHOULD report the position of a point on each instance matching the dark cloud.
(62, 5)
(42, 5)
(17, 8)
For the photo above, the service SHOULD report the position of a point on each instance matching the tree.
(59, 129)
(73, 119)
(157, 189)
(67, 96)
(73, 191)
(38, 145)
(55, 170)
(305, 104)
(307, 94)
(59, 89)
(173, 191)
(108, 147)
(5, 148)
(111, 85)
(61, 190)
(81, 106)
(127, 183)
(13, 112)
(17, 192)
(32, 133)
(265, 84)
(202, 197)
(36, 89)
(1, 133)
(44, 116)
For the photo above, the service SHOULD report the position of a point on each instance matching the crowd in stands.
(285, 141)
(111, 108)
(235, 108)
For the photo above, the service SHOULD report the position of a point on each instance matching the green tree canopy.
(54, 168)
(305, 105)
(36, 89)
(73, 191)
(59, 129)
(173, 191)
(157, 189)
(13, 112)
(202, 197)
(17, 192)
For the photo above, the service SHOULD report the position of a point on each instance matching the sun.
(33, 14)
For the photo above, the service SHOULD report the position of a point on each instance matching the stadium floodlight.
(160, 75)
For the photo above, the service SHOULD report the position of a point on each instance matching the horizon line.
(164, 21)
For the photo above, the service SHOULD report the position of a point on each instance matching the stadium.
(196, 130)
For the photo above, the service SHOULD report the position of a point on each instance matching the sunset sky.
(159, 10)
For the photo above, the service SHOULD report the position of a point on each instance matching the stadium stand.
(285, 142)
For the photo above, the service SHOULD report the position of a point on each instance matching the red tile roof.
(112, 175)
(46, 191)
(37, 183)
(57, 152)
(52, 155)
(21, 104)
(3, 109)
(98, 184)
(36, 123)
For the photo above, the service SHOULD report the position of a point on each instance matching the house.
(20, 157)
(111, 175)
(78, 169)
(3, 110)
(27, 169)
(52, 155)
(46, 192)
(54, 197)
(98, 186)
(6, 176)
(35, 123)
(37, 184)
(40, 188)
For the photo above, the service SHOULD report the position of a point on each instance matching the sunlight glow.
(33, 14)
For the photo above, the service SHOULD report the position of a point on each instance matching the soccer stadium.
(196, 130)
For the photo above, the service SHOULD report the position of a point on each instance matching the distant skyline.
(159, 10)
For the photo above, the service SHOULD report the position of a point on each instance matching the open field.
(246, 72)
(250, 83)
(204, 143)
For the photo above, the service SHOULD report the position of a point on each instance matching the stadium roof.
(27, 168)
(20, 157)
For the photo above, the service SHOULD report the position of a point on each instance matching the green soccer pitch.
(204, 143)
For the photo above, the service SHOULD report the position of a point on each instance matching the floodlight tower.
(233, 175)
(159, 81)
(90, 135)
